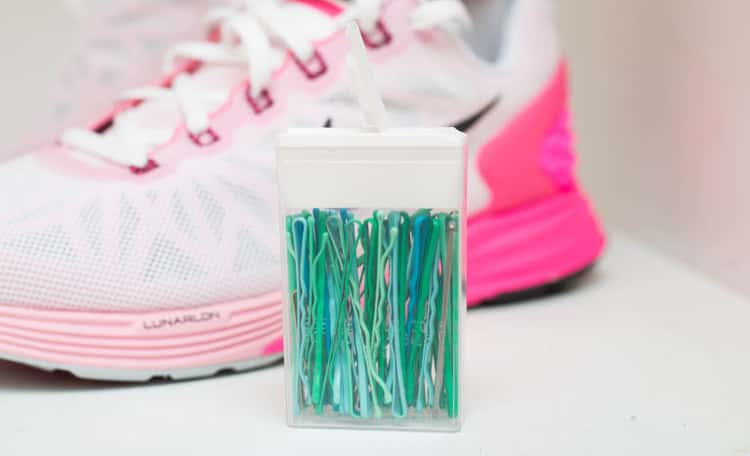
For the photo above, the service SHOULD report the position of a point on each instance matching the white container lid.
(399, 168)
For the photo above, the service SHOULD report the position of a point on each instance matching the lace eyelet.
(377, 37)
(261, 103)
(149, 166)
(204, 138)
(314, 67)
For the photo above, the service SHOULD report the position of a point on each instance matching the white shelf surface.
(644, 357)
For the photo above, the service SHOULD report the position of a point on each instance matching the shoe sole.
(524, 250)
(518, 254)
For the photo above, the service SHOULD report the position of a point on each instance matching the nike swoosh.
(463, 125)
(466, 124)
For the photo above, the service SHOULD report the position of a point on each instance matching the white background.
(648, 356)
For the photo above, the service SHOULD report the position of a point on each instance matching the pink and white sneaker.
(146, 245)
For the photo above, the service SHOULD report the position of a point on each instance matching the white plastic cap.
(400, 168)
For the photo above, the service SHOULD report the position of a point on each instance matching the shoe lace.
(250, 35)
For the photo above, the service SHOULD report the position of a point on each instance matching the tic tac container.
(372, 228)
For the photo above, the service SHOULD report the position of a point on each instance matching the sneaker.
(147, 246)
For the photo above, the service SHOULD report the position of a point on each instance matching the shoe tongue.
(314, 17)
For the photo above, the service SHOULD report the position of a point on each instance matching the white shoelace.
(255, 36)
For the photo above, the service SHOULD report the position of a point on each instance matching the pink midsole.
(530, 246)
(509, 251)
(209, 335)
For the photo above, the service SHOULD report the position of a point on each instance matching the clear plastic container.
(372, 228)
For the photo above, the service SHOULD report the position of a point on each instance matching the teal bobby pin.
(335, 269)
(399, 408)
(416, 344)
(369, 241)
(415, 273)
(426, 385)
(415, 266)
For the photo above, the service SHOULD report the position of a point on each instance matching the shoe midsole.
(509, 251)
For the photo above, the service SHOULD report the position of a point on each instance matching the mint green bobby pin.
(396, 303)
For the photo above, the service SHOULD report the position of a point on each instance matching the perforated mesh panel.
(212, 210)
(181, 217)
(91, 220)
(201, 236)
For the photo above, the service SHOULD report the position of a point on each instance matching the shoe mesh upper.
(206, 234)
